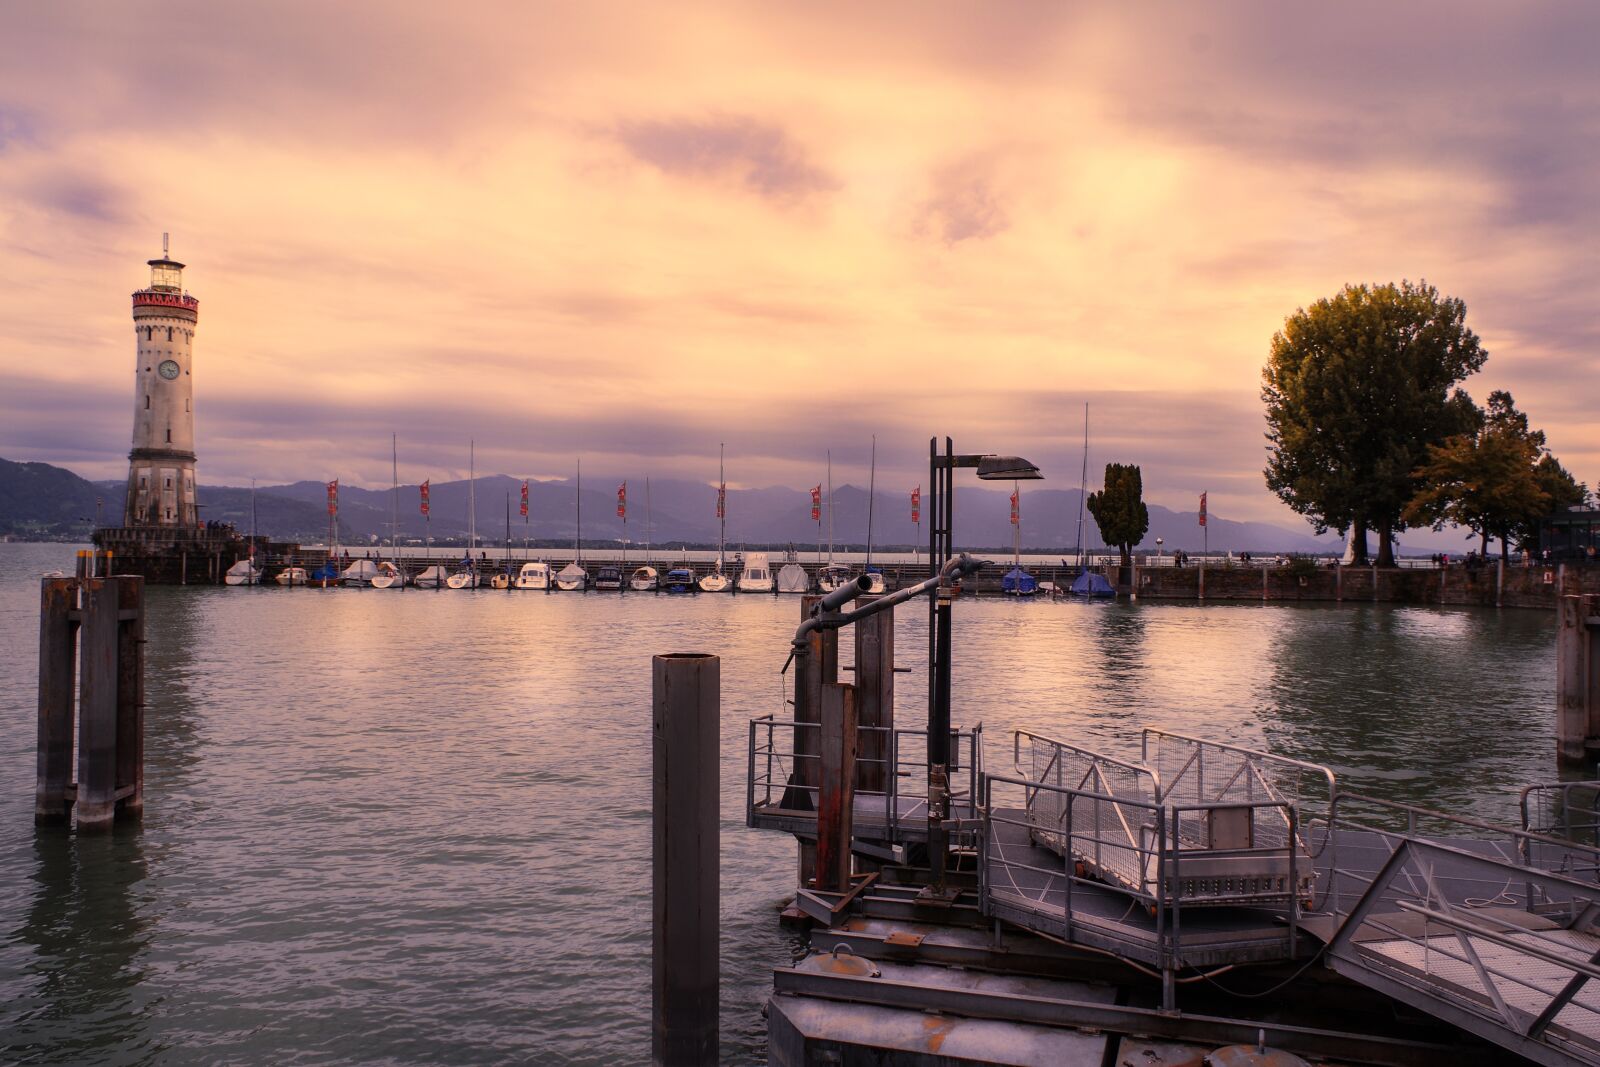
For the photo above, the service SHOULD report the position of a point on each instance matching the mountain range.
(42, 502)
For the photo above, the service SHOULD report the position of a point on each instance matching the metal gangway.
(1493, 929)
(1193, 856)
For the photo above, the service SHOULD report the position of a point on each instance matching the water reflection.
(88, 937)
(414, 826)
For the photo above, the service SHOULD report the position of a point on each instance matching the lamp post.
(941, 546)
(1159, 543)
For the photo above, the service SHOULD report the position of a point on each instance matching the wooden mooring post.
(686, 840)
(92, 626)
(1577, 680)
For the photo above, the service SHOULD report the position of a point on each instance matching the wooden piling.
(130, 698)
(1577, 678)
(874, 684)
(99, 606)
(57, 665)
(91, 627)
(836, 796)
(685, 872)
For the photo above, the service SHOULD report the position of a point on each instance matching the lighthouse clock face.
(168, 369)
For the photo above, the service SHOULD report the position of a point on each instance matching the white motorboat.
(292, 576)
(359, 573)
(757, 575)
(388, 577)
(875, 582)
(244, 572)
(433, 577)
(832, 576)
(500, 581)
(534, 576)
(643, 579)
(715, 582)
(792, 578)
(572, 578)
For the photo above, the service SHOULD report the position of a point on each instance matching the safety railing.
(1195, 771)
(1518, 970)
(1394, 823)
(1118, 822)
(1568, 810)
(1240, 826)
(1129, 844)
(784, 775)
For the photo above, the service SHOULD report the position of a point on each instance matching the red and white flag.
(916, 505)
(524, 498)
(722, 500)
(424, 488)
(816, 503)
(622, 501)
(1014, 507)
(333, 497)
(1202, 509)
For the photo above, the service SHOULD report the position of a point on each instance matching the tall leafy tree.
(1564, 492)
(1357, 386)
(1119, 509)
(1485, 481)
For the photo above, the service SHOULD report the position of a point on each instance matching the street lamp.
(941, 546)
(1159, 543)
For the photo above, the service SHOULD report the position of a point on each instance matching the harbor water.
(414, 827)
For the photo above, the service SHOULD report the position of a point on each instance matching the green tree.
(1119, 509)
(1564, 492)
(1486, 481)
(1356, 388)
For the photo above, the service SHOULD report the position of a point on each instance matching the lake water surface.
(414, 827)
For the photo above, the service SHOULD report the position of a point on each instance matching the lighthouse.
(161, 485)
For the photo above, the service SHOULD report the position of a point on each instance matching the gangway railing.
(1196, 771)
(1568, 810)
(1517, 967)
(1239, 829)
(1096, 840)
(1393, 822)
(783, 779)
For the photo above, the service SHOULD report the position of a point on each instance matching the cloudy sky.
(629, 232)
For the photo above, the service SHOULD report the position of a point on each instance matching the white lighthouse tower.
(161, 486)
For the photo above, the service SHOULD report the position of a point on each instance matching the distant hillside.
(39, 502)
(42, 502)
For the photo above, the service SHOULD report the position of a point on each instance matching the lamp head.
(1007, 468)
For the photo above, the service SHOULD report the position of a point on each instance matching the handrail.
(1317, 768)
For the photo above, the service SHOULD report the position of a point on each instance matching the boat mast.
(1083, 483)
(577, 537)
(722, 507)
(872, 493)
(830, 507)
(648, 529)
(394, 500)
(472, 497)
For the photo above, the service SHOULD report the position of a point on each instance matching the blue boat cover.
(1091, 584)
(1017, 580)
(328, 572)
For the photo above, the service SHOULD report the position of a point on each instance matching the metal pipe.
(825, 615)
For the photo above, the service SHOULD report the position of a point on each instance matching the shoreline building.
(162, 536)
(161, 480)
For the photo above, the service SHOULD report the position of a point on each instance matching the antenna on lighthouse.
(164, 253)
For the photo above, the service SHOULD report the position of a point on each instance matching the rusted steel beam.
(874, 681)
(837, 794)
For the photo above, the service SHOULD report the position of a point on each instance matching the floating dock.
(1195, 903)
